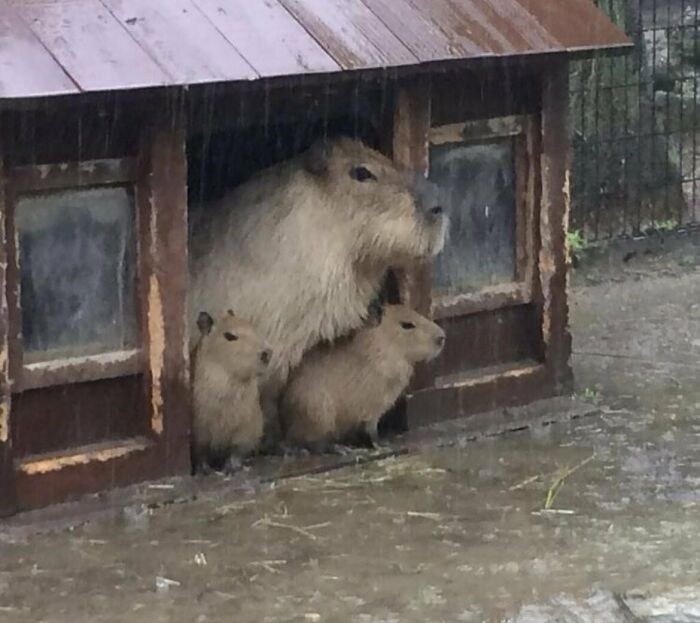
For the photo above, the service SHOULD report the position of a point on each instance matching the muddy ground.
(447, 533)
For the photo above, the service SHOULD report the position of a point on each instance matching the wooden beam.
(554, 219)
(411, 148)
(8, 495)
(163, 283)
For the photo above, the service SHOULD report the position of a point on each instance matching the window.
(76, 264)
(487, 179)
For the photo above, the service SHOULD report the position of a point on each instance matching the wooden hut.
(105, 103)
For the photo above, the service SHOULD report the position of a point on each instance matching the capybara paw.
(232, 465)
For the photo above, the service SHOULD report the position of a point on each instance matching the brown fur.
(301, 249)
(343, 388)
(228, 420)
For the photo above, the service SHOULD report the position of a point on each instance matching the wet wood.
(182, 40)
(575, 25)
(107, 451)
(92, 46)
(81, 369)
(162, 204)
(27, 67)
(495, 90)
(411, 125)
(415, 29)
(268, 37)
(513, 385)
(467, 27)
(37, 178)
(75, 479)
(350, 33)
(60, 417)
(7, 476)
(486, 299)
(480, 340)
(554, 218)
(483, 129)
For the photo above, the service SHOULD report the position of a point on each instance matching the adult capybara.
(344, 388)
(228, 361)
(301, 249)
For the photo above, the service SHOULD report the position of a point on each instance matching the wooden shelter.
(104, 103)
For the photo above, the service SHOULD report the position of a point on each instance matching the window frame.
(524, 131)
(105, 172)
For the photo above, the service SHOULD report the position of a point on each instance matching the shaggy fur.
(228, 361)
(301, 249)
(345, 388)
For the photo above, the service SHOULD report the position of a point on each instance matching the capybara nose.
(440, 341)
(265, 356)
(436, 210)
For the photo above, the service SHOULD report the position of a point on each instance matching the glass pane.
(478, 181)
(76, 251)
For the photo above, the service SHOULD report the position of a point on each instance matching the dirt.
(454, 533)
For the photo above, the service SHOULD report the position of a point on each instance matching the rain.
(376, 311)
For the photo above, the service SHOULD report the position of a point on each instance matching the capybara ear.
(204, 322)
(375, 313)
(316, 158)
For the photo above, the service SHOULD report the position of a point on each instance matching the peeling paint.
(4, 422)
(156, 353)
(515, 372)
(102, 454)
(4, 400)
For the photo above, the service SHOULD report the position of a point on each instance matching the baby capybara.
(344, 388)
(228, 362)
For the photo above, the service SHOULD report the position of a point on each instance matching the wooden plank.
(162, 201)
(268, 37)
(92, 46)
(575, 25)
(28, 70)
(466, 25)
(486, 299)
(7, 476)
(488, 338)
(182, 40)
(106, 451)
(60, 417)
(41, 177)
(77, 478)
(410, 149)
(514, 385)
(418, 33)
(480, 130)
(81, 369)
(354, 36)
(554, 218)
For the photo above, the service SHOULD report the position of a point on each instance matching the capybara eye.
(408, 326)
(362, 174)
(231, 337)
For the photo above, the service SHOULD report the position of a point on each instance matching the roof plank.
(578, 25)
(267, 35)
(418, 31)
(26, 68)
(354, 36)
(90, 44)
(181, 39)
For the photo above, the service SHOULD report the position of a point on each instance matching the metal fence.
(636, 125)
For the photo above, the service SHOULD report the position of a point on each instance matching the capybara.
(341, 389)
(228, 362)
(302, 248)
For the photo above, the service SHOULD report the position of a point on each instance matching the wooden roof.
(53, 47)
